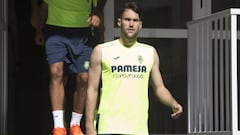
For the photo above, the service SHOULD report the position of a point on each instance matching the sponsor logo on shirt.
(129, 68)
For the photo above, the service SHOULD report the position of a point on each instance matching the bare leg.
(80, 92)
(79, 100)
(57, 86)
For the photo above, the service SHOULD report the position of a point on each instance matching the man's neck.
(128, 42)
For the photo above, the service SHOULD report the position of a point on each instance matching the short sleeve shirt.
(68, 13)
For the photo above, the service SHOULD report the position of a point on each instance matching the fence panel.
(212, 74)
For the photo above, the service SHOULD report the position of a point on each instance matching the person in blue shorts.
(65, 27)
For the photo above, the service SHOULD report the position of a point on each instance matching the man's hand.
(177, 110)
(39, 38)
(94, 21)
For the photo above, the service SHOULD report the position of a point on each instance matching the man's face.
(130, 24)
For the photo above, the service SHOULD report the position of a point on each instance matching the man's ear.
(140, 26)
(119, 22)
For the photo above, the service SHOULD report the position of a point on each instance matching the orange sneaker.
(76, 130)
(59, 131)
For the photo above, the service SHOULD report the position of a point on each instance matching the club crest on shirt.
(140, 59)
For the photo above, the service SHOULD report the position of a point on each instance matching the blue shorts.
(75, 52)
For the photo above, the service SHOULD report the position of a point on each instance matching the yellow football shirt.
(124, 101)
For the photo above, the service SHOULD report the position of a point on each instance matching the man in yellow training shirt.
(125, 66)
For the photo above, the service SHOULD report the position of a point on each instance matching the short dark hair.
(133, 6)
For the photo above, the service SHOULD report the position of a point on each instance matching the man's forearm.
(43, 13)
(99, 7)
(91, 104)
